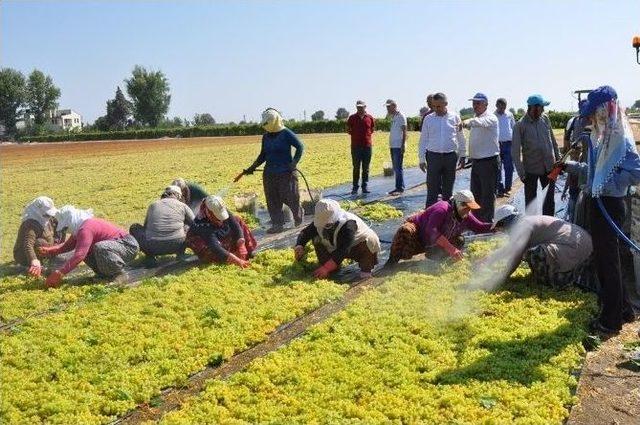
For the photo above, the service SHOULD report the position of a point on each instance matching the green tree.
(100, 124)
(149, 93)
(466, 113)
(342, 114)
(42, 96)
(118, 111)
(203, 119)
(317, 116)
(636, 105)
(12, 97)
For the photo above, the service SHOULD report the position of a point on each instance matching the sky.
(233, 59)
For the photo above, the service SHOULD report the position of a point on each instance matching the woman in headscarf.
(337, 234)
(612, 167)
(103, 246)
(36, 230)
(438, 228)
(192, 193)
(164, 231)
(279, 179)
(217, 236)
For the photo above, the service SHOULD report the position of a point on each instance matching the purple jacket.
(439, 219)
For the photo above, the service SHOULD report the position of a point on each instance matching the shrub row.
(558, 120)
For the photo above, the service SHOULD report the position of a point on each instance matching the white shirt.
(398, 121)
(441, 134)
(483, 140)
(506, 122)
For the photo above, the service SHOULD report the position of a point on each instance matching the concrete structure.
(58, 120)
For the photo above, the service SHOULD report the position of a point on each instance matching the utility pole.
(304, 114)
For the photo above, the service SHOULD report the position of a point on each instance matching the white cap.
(389, 102)
(325, 212)
(215, 204)
(360, 103)
(173, 190)
(503, 212)
(467, 198)
(46, 205)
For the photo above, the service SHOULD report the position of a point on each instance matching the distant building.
(58, 120)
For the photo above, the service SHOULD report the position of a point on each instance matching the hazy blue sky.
(231, 58)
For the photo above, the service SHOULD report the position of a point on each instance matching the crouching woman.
(337, 234)
(217, 236)
(103, 246)
(438, 229)
(36, 230)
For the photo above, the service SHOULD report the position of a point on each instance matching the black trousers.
(484, 178)
(282, 189)
(531, 189)
(614, 302)
(361, 156)
(441, 174)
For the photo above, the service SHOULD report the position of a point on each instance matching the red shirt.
(361, 129)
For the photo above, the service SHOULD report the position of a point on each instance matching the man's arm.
(462, 143)
(422, 144)
(556, 152)
(515, 150)
(307, 234)
(487, 121)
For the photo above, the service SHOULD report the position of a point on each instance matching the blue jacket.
(627, 174)
(276, 152)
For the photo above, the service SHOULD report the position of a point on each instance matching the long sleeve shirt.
(346, 237)
(441, 134)
(276, 152)
(506, 122)
(219, 239)
(166, 219)
(92, 231)
(483, 137)
(625, 175)
(534, 149)
(440, 220)
(361, 128)
(30, 231)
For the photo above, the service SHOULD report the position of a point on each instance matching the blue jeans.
(507, 166)
(397, 156)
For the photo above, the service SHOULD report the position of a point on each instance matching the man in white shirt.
(397, 139)
(484, 152)
(506, 122)
(441, 144)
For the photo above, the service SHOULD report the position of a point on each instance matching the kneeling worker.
(557, 251)
(217, 236)
(337, 234)
(437, 229)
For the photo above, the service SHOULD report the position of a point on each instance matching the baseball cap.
(480, 96)
(467, 198)
(536, 99)
(595, 98)
(389, 102)
(215, 204)
(360, 103)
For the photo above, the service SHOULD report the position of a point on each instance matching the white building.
(59, 119)
(66, 119)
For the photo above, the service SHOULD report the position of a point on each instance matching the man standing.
(360, 126)
(534, 152)
(397, 139)
(484, 152)
(441, 144)
(506, 122)
(426, 110)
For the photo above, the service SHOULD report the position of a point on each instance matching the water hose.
(631, 244)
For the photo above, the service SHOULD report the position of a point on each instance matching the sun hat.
(467, 198)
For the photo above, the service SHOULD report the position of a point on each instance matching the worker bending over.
(337, 234)
(217, 236)
(557, 251)
(437, 229)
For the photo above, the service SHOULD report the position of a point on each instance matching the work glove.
(241, 250)
(54, 279)
(233, 259)
(453, 252)
(35, 269)
(49, 251)
(298, 252)
(325, 270)
(423, 167)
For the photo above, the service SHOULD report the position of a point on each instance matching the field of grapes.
(420, 346)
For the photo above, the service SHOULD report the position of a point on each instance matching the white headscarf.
(327, 211)
(272, 121)
(72, 218)
(40, 209)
